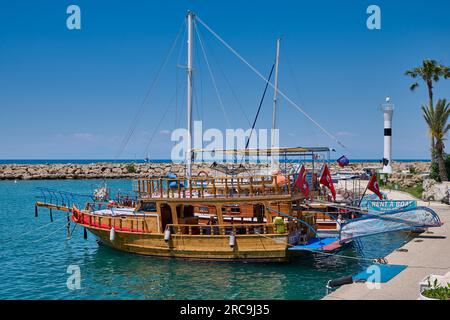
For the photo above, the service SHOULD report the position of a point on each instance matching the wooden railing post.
(238, 186)
(202, 188)
(277, 187)
(263, 186)
(289, 182)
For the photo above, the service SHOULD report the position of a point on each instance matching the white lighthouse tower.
(388, 110)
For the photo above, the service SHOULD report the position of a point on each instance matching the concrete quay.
(428, 253)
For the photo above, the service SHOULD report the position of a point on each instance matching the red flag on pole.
(374, 187)
(301, 182)
(326, 180)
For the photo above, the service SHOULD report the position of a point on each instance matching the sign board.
(390, 205)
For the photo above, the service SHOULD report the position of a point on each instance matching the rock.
(434, 191)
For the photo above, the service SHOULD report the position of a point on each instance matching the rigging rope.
(138, 115)
(257, 113)
(233, 92)
(333, 137)
(219, 98)
(147, 147)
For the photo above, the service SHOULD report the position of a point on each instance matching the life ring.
(76, 215)
(205, 174)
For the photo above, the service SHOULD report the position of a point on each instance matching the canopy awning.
(268, 151)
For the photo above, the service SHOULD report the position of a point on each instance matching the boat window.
(148, 206)
(203, 209)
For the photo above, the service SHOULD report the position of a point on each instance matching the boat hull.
(263, 248)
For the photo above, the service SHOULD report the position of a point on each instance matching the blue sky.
(73, 94)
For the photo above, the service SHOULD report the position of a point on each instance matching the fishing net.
(403, 219)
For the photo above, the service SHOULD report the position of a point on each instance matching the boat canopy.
(268, 151)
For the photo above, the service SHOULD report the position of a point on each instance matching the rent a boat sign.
(389, 205)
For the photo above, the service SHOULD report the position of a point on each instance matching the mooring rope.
(49, 234)
(375, 260)
(33, 230)
(371, 260)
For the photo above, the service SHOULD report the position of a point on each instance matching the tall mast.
(190, 17)
(275, 97)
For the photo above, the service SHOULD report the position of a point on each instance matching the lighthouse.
(388, 110)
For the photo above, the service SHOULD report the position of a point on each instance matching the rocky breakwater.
(85, 171)
(97, 170)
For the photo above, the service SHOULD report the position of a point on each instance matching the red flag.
(301, 182)
(326, 180)
(374, 187)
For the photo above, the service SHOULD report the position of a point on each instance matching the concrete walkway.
(428, 253)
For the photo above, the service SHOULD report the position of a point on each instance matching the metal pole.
(275, 97)
(190, 17)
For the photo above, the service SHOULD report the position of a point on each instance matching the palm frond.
(414, 86)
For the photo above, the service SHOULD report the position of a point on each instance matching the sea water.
(35, 256)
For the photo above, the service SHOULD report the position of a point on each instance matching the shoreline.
(109, 170)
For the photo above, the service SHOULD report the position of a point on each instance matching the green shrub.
(434, 170)
(131, 168)
(437, 292)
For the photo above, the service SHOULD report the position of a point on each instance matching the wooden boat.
(167, 221)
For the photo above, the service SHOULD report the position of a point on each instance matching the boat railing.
(224, 229)
(215, 187)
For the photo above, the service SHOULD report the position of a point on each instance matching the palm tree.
(436, 118)
(430, 71)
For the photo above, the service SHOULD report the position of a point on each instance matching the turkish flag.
(326, 180)
(374, 187)
(301, 182)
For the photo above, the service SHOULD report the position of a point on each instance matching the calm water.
(34, 261)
